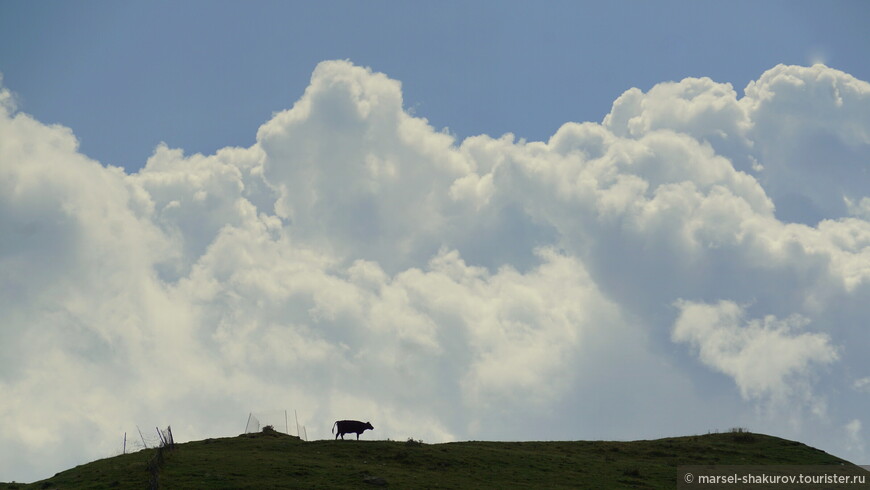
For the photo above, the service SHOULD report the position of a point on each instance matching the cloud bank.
(698, 260)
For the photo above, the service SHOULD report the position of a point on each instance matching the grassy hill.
(274, 460)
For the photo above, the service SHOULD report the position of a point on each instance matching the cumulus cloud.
(801, 130)
(356, 173)
(810, 128)
(356, 262)
(760, 354)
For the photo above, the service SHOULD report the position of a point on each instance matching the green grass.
(273, 460)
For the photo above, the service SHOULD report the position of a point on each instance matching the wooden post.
(171, 438)
(248, 422)
(125, 443)
(296, 415)
(286, 427)
(160, 435)
(143, 437)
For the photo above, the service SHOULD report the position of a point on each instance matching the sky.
(464, 220)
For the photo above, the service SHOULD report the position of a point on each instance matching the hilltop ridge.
(274, 460)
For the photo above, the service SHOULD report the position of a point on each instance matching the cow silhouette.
(349, 426)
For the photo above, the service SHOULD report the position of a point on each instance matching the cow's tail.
(333, 427)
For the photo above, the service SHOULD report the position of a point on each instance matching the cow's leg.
(336, 435)
(357, 436)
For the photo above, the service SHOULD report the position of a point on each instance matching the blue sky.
(202, 75)
(213, 208)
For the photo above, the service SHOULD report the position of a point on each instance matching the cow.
(348, 426)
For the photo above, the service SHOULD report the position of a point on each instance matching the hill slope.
(274, 460)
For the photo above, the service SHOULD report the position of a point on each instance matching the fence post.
(160, 435)
(296, 415)
(143, 437)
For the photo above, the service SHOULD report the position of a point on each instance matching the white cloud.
(803, 130)
(811, 130)
(351, 164)
(699, 107)
(860, 209)
(355, 262)
(766, 357)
